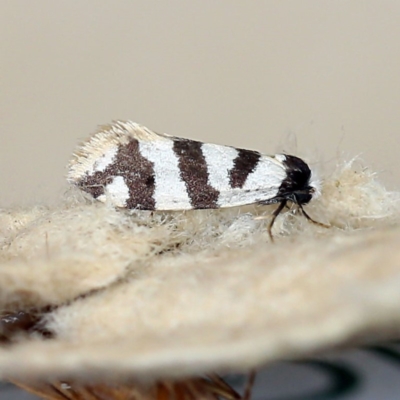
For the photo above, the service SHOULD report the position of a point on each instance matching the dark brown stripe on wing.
(194, 173)
(138, 174)
(243, 165)
(94, 184)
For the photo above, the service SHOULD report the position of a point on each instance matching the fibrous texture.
(158, 295)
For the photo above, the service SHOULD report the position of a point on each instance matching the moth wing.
(99, 149)
(133, 167)
(261, 183)
(130, 166)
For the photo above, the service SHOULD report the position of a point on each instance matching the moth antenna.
(274, 215)
(310, 219)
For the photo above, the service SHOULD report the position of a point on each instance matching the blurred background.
(259, 75)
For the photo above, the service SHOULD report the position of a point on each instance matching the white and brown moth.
(135, 168)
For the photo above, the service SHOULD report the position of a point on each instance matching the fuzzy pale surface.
(177, 294)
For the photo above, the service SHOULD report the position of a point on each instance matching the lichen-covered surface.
(161, 295)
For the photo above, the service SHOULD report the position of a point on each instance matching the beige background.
(238, 73)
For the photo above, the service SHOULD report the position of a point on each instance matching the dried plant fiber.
(168, 295)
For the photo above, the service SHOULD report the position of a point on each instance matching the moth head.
(300, 184)
(309, 192)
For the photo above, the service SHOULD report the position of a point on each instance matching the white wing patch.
(170, 191)
(269, 173)
(117, 192)
(105, 160)
(261, 184)
(220, 161)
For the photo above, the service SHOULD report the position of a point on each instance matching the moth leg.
(249, 385)
(274, 215)
(310, 219)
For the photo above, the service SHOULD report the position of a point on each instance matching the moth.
(135, 168)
